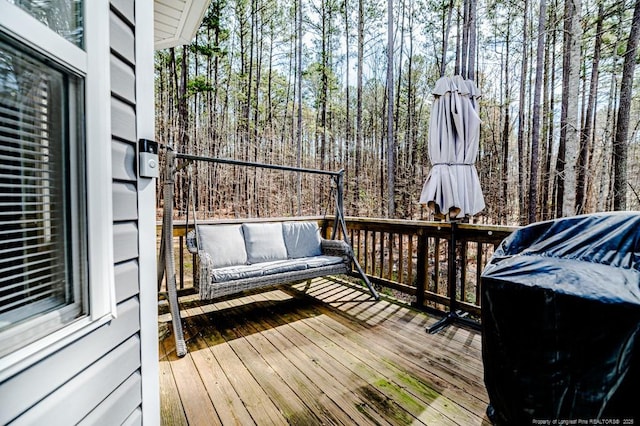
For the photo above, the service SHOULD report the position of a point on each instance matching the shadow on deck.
(324, 353)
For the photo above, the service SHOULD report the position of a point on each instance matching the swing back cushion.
(264, 242)
(249, 243)
(302, 239)
(224, 243)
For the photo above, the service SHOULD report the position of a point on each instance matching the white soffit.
(176, 21)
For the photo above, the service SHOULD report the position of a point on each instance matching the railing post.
(181, 261)
(463, 270)
(478, 273)
(421, 273)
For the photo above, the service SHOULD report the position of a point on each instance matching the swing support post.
(339, 220)
(167, 262)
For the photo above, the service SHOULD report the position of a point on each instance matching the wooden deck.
(319, 354)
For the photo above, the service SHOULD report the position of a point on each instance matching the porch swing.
(232, 258)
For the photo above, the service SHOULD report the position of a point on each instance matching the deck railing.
(413, 260)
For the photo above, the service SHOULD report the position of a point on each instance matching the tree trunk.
(446, 29)
(585, 134)
(458, 63)
(547, 134)
(183, 112)
(569, 121)
(398, 91)
(605, 198)
(521, 114)
(270, 81)
(299, 94)
(324, 80)
(410, 145)
(183, 122)
(506, 132)
(464, 48)
(535, 126)
(391, 148)
(215, 125)
(620, 143)
(347, 128)
(358, 147)
(471, 62)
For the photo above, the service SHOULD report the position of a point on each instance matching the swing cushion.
(224, 243)
(264, 242)
(302, 239)
(273, 268)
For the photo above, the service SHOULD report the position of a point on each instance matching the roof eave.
(181, 27)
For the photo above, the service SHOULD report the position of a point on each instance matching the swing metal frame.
(166, 262)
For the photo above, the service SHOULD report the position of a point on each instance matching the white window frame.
(93, 65)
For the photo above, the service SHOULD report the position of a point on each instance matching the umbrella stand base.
(451, 318)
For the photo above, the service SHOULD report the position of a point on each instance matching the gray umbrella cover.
(453, 186)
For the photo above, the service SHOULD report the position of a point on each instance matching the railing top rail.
(436, 225)
(484, 233)
(464, 228)
(232, 221)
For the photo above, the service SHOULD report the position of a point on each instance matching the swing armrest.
(192, 243)
(335, 248)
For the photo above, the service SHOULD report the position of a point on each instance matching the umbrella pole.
(453, 316)
(451, 266)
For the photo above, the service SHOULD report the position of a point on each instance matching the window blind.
(36, 241)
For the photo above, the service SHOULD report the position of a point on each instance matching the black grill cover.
(561, 321)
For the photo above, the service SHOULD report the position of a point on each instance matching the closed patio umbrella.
(453, 188)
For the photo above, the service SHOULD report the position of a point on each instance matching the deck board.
(298, 372)
(171, 410)
(318, 353)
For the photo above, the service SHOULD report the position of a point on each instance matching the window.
(42, 251)
(55, 267)
(62, 16)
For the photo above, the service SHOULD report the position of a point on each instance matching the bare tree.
(569, 141)
(446, 29)
(347, 103)
(620, 143)
(471, 28)
(535, 126)
(506, 129)
(548, 128)
(358, 147)
(299, 93)
(391, 148)
(524, 77)
(587, 128)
